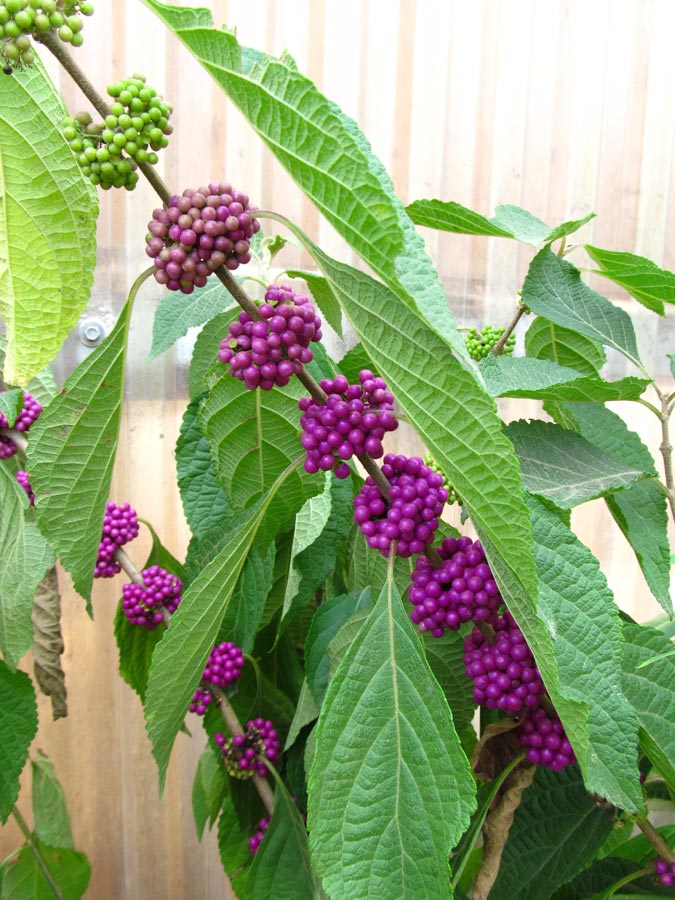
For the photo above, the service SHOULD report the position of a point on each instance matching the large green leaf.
(177, 313)
(205, 367)
(642, 278)
(24, 559)
(640, 511)
(650, 687)
(446, 660)
(244, 611)
(556, 831)
(254, 437)
(553, 288)
(282, 869)
(563, 466)
(50, 815)
(11, 403)
(323, 295)
(208, 790)
(23, 878)
(580, 611)
(546, 340)
(18, 714)
(523, 376)
(389, 775)
(508, 221)
(48, 215)
(235, 854)
(71, 454)
(328, 157)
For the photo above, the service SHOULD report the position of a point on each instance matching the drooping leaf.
(523, 376)
(24, 559)
(235, 854)
(651, 690)
(556, 832)
(160, 556)
(553, 288)
(71, 453)
(446, 660)
(48, 644)
(389, 775)
(580, 611)
(546, 340)
(282, 868)
(11, 403)
(642, 278)
(43, 386)
(46, 271)
(305, 712)
(205, 367)
(204, 502)
(177, 313)
(18, 717)
(564, 467)
(208, 791)
(50, 814)
(23, 878)
(640, 511)
(244, 611)
(325, 298)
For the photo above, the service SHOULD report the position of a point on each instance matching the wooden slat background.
(562, 107)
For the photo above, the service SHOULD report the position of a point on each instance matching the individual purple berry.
(7, 447)
(462, 590)
(150, 605)
(410, 516)
(30, 412)
(504, 673)
(22, 478)
(663, 871)
(198, 232)
(544, 737)
(223, 667)
(352, 422)
(120, 525)
(270, 350)
(243, 754)
(257, 836)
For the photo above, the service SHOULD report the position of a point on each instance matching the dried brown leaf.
(48, 643)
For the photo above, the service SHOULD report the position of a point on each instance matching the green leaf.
(205, 367)
(282, 868)
(556, 832)
(254, 437)
(235, 854)
(651, 690)
(508, 221)
(389, 775)
(177, 313)
(581, 613)
(24, 560)
(71, 454)
(305, 713)
(208, 791)
(204, 502)
(11, 404)
(324, 296)
(366, 568)
(553, 288)
(244, 611)
(43, 386)
(345, 637)
(160, 556)
(445, 656)
(642, 278)
(640, 511)
(327, 155)
(18, 713)
(50, 814)
(46, 272)
(326, 623)
(353, 361)
(23, 878)
(564, 467)
(542, 379)
(546, 340)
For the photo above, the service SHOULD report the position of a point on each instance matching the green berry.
(119, 140)
(77, 40)
(65, 34)
(23, 42)
(24, 20)
(117, 109)
(12, 30)
(86, 8)
(42, 23)
(75, 23)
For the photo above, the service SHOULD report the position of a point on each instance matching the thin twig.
(655, 839)
(39, 859)
(666, 447)
(129, 567)
(501, 343)
(16, 437)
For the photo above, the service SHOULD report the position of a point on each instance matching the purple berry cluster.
(150, 605)
(352, 422)
(22, 478)
(223, 667)
(544, 737)
(410, 516)
(257, 836)
(120, 525)
(243, 754)
(462, 590)
(504, 673)
(664, 872)
(7, 447)
(270, 350)
(30, 412)
(197, 232)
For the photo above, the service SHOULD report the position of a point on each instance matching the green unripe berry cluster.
(453, 496)
(136, 127)
(480, 343)
(19, 19)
